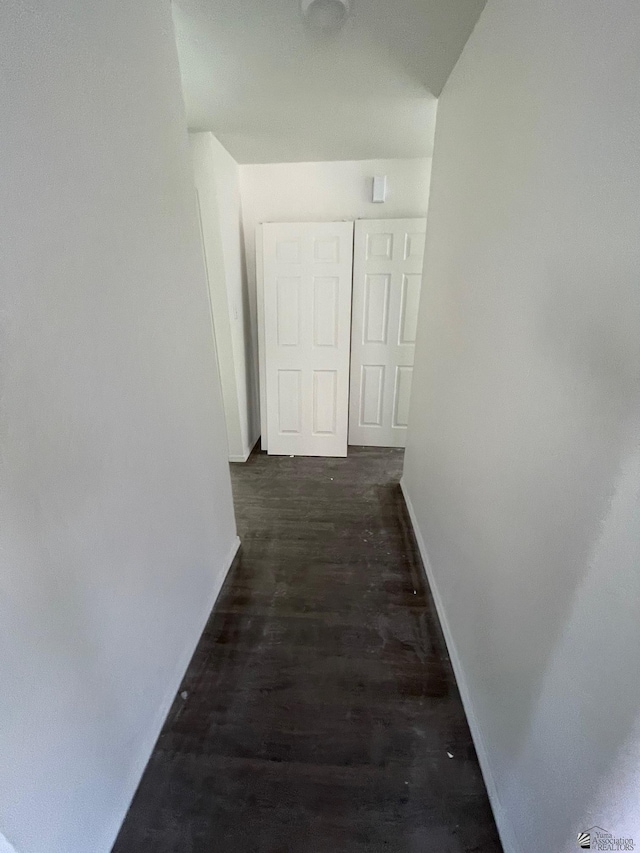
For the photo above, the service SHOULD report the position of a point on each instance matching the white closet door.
(387, 276)
(307, 270)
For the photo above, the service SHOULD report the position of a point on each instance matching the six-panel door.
(307, 269)
(387, 276)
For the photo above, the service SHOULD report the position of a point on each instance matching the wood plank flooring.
(321, 704)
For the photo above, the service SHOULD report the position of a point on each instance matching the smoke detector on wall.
(326, 16)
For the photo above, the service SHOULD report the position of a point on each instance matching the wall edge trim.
(242, 457)
(142, 760)
(505, 829)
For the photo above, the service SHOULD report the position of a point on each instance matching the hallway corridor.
(321, 710)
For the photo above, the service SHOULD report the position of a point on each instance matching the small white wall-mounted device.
(379, 189)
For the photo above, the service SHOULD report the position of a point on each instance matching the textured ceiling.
(274, 91)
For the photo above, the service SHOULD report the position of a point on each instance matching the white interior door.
(307, 274)
(387, 276)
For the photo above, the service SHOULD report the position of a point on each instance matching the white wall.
(523, 462)
(217, 184)
(321, 192)
(115, 501)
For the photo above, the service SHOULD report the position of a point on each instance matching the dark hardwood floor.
(321, 707)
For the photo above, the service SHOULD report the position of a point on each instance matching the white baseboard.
(505, 830)
(243, 457)
(170, 694)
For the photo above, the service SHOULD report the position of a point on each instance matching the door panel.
(402, 396)
(376, 311)
(289, 402)
(307, 274)
(288, 299)
(372, 396)
(387, 277)
(409, 302)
